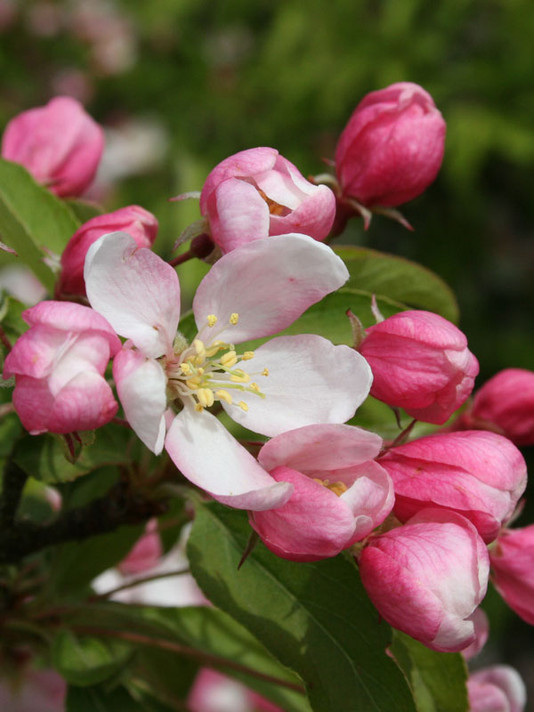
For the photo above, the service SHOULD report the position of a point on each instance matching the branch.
(118, 507)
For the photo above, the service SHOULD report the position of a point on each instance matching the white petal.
(141, 385)
(320, 448)
(269, 283)
(310, 381)
(206, 453)
(137, 292)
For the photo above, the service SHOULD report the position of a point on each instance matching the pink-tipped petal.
(231, 226)
(315, 448)
(141, 385)
(310, 381)
(269, 283)
(206, 453)
(135, 290)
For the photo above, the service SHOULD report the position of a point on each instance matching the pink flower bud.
(498, 688)
(505, 404)
(512, 564)
(392, 147)
(420, 362)
(478, 474)
(481, 623)
(427, 577)
(134, 220)
(257, 193)
(146, 552)
(58, 366)
(59, 144)
(340, 494)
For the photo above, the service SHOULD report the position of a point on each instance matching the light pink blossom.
(504, 404)
(427, 577)
(250, 293)
(133, 219)
(257, 193)
(498, 688)
(481, 623)
(475, 473)
(512, 565)
(58, 366)
(392, 147)
(146, 552)
(37, 691)
(339, 493)
(421, 363)
(59, 144)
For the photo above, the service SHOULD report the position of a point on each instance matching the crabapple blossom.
(478, 474)
(504, 404)
(250, 293)
(427, 577)
(58, 366)
(512, 565)
(257, 193)
(146, 552)
(59, 144)
(481, 623)
(392, 147)
(339, 493)
(421, 363)
(498, 688)
(133, 219)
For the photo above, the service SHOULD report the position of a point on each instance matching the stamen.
(234, 318)
(212, 320)
(229, 359)
(239, 376)
(265, 372)
(193, 383)
(224, 396)
(248, 355)
(243, 406)
(205, 397)
(185, 368)
(199, 347)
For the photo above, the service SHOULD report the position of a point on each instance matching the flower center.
(336, 487)
(207, 371)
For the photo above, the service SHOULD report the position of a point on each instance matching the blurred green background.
(181, 84)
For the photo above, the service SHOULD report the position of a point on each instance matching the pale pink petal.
(316, 448)
(370, 498)
(141, 385)
(34, 353)
(241, 215)
(269, 283)
(135, 290)
(84, 403)
(206, 453)
(310, 381)
(33, 402)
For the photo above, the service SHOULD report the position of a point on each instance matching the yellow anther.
(185, 368)
(198, 408)
(199, 347)
(254, 388)
(229, 359)
(205, 397)
(224, 396)
(239, 376)
(200, 371)
(265, 372)
(243, 406)
(336, 487)
(248, 355)
(193, 383)
(212, 320)
(215, 347)
(234, 318)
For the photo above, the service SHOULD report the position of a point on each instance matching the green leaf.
(43, 456)
(438, 680)
(101, 699)
(87, 660)
(217, 639)
(315, 618)
(33, 221)
(398, 279)
(83, 210)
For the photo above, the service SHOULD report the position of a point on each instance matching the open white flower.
(250, 293)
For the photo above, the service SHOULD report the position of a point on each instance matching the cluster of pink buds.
(418, 514)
